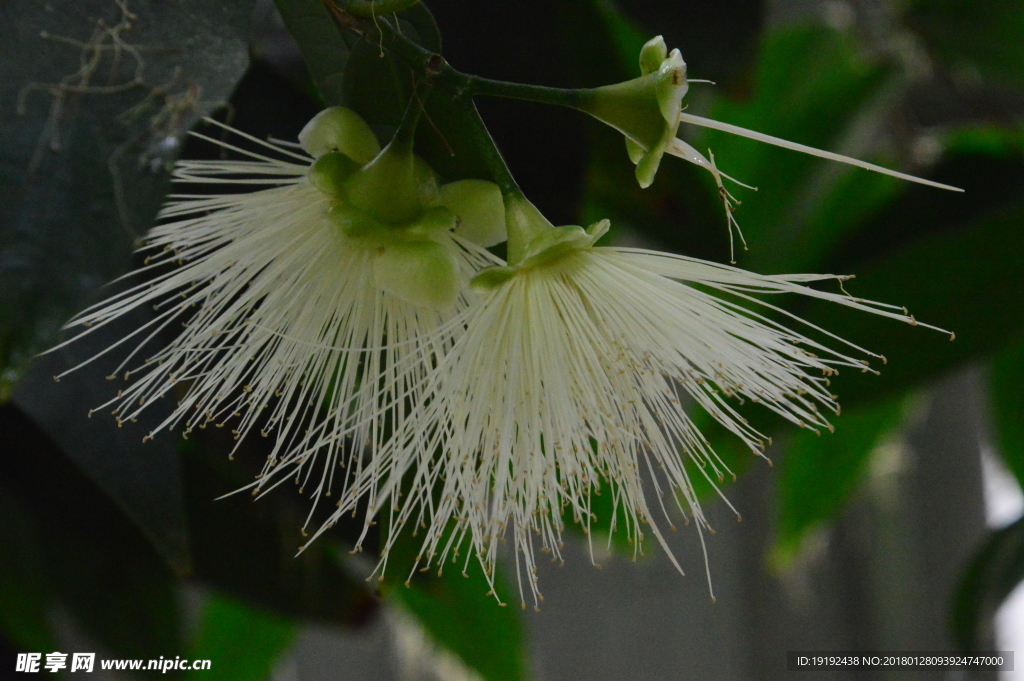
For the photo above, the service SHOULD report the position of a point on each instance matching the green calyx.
(414, 261)
(646, 109)
(535, 242)
(386, 187)
(390, 203)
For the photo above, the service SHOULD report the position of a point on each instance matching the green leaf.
(379, 86)
(144, 480)
(92, 562)
(965, 279)
(350, 70)
(994, 572)
(458, 612)
(249, 548)
(1006, 386)
(323, 49)
(25, 594)
(818, 473)
(242, 643)
(984, 38)
(624, 34)
(69, 154)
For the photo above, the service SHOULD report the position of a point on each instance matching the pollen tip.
(952, 336)
(56, 379)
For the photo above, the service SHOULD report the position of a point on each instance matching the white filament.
(567, 383)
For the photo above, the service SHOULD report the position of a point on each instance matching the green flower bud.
(480, 210)
(339, 129)
(646, 109)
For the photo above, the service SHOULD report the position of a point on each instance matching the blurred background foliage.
(120, 545)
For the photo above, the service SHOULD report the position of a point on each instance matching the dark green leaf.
(819, 472)
(966, 280)
(144, 480)
(241, 643)
(981, 37)
(249, 548)
(424, 30)
(93, 563)
(995, 571)
(324, 50)
(1006, 385)
(625, 35)
(79, 132)
(377, 86)
(25, 592)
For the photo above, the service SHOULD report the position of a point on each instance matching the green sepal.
(647, 168)
(342, 130)
(329, 172)
(356, 224)
(670, 87)
(427, 185)
(433, 223)
(652, 54)
(480, 210)
(635, 151)
(421, 272)
(492, 277)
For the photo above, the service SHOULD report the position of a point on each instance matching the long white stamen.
(779, 142)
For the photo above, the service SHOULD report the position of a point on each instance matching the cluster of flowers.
(352, 310)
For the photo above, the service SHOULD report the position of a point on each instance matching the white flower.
(307, 313)
(570, 381)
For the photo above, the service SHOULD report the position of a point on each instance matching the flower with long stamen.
(312, 308)
(648, 111)
(571, 379)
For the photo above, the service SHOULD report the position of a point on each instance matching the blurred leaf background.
(110, 545)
